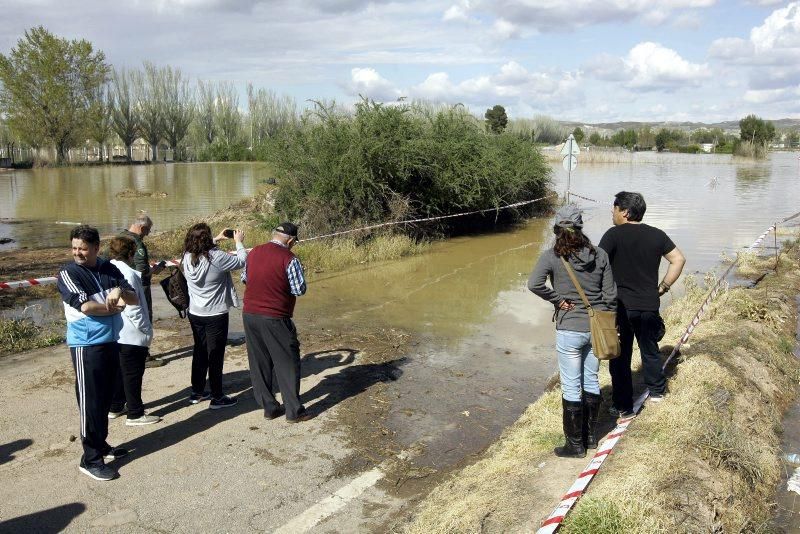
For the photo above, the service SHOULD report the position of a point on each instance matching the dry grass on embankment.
(704, 460)
(254, 217)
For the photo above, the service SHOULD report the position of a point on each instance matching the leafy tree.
(756, 131)
(178, 108)
(578, 134)
(595, 139)
(124, 114)
(205, 110)
(496, 119)
(645, 138)
(227, 119)
(100, 118)
(662, 138)
(46, 84)
(626, 138)
(150, 103)
(268, 114)
(793, 139)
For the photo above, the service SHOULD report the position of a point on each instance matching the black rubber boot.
(591, 412)
(572, 413)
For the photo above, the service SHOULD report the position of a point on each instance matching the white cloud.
(648, 67)
(780, 31)
(769, 96)
(455, 13)
(368, 83)
(502, 29)
(731, 48)
(512, 85)
(656, 67)
(560, 15)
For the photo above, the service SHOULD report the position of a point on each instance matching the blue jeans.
(576, 364)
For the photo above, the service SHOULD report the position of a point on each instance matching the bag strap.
(577, 285)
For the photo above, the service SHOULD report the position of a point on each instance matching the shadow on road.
(52, 520)
(7, 450)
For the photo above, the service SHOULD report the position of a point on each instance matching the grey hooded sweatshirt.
(211, 290)
(593, 271)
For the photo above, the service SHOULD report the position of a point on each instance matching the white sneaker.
(114, 415)
(143, 420)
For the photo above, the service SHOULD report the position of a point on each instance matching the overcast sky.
(583, 60)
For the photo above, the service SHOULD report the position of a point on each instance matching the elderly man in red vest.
(274, 278)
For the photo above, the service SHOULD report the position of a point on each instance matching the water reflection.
(38, 199)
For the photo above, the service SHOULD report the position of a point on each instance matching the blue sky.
(582, 60)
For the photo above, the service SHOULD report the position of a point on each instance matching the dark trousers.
(272, 346)
(646, 327)
(95, 371)
(148, 296)
(210, 335)
(128, 388)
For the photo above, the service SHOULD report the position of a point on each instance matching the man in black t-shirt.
(635, 251)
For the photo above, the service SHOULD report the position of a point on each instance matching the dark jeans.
(95, 370)
(128, 388)
(210, 335)
(646, 327)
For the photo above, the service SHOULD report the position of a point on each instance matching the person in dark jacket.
(578, 366)
(138, 230)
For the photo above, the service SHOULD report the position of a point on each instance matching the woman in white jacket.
(134, 340)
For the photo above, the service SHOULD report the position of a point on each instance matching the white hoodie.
(137, 328)
(211, 290)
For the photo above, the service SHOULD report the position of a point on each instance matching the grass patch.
(17, 335)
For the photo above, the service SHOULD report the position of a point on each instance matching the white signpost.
(570, 161)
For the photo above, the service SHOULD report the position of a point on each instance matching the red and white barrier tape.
(175, 262)
(577, 489)
(570, 193)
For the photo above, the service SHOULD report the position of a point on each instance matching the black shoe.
(194, 398)
(274, 414)
(572, 417)
(100, 472)
(222, 402)
(303, 416)
(620, 414)
(591, 413)
(115, 453)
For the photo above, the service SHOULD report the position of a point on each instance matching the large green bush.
(388, 162)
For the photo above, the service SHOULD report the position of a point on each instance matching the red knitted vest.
(267, 291)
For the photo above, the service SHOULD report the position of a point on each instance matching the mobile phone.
(227, 233)
(162, 263)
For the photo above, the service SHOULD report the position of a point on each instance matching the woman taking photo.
(134, 340)
(211, 295)
(577, 365)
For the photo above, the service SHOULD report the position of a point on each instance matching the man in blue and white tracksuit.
(94, 293)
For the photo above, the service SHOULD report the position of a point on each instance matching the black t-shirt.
(635, 251)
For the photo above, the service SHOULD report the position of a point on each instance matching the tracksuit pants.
(96, 368)
(272, 345)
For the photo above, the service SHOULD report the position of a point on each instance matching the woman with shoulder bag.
(211, 294)
(578, 366)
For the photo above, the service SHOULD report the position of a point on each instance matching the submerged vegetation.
(704, 460)
(385, 163)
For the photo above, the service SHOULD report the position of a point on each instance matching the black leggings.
(128, 387)
(210, 335)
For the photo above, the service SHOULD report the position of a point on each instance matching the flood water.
(38, 206)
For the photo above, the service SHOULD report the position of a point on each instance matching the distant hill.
(733, 126)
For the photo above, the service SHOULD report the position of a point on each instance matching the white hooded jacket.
(137, 328)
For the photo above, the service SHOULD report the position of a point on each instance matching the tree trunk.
(154, 148)
(129, 152)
